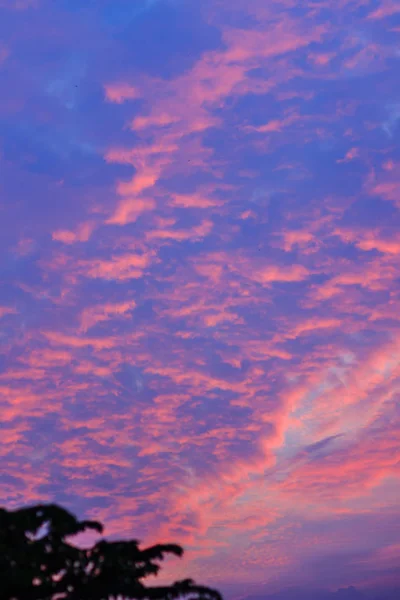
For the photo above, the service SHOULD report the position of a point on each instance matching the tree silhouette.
(47, 567)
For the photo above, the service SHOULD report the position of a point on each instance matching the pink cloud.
(312, 325)
(158, 121)
(244, 44)
(196, 200)
(119, 267)
(130, 209)
(350, 155)
(4, 54)
(274, 273)
(182, 107)
(82, 234)
(369, 240)
(7, 310)
(221, 366)
(78, 341)
(120, 92)
(346, 475)
(274, 125)
(322, 58)
(386, 9)
(195, 233)
(388, 190)
(294, 238)
(19, 4)
(103, 312)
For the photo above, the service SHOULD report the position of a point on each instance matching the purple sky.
(199, 280)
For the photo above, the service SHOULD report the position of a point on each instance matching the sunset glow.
(199, 280)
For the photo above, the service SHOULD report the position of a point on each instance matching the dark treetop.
(47, 567)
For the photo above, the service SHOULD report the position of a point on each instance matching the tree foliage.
(47, 567)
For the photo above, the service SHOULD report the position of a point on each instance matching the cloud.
(196, 233)
(120, 92)
(96, 314)
(4, 54)
(19, 4)
(370, 240)
(321, 444)
(385, 9)
(130, 210)
(82, 234)
(119, 267)
(7, 310)
(274, 273)
(78, 342)
(200, 302)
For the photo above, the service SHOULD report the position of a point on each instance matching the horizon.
(199, 290)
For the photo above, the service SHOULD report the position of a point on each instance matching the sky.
(199, 280)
